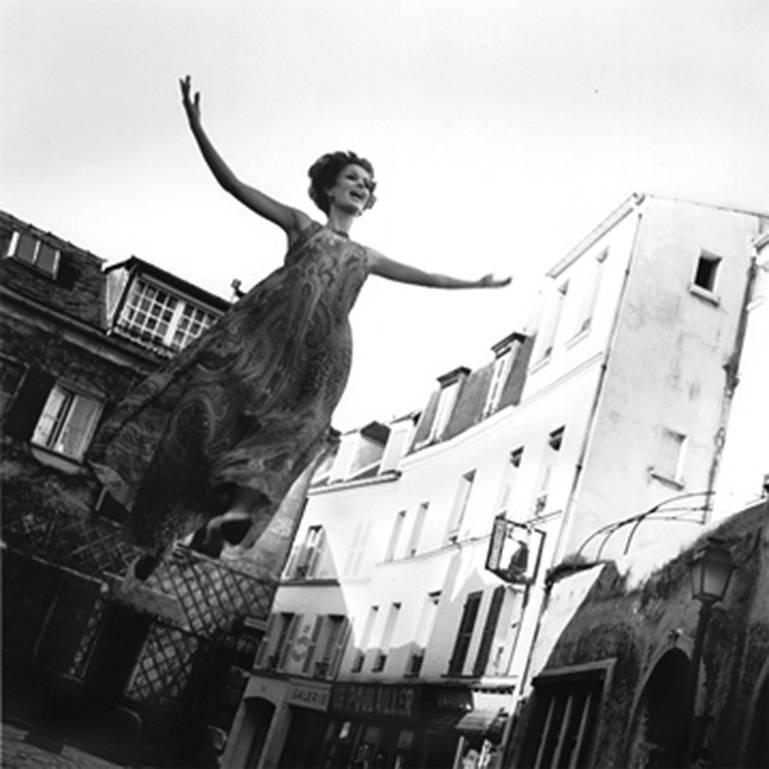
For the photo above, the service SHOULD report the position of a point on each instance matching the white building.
(391, 643)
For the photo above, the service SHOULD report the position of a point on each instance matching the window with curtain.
(67, 422)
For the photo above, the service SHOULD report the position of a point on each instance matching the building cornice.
(386, 477)
(612, 220)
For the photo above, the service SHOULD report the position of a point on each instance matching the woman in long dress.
(212, 441)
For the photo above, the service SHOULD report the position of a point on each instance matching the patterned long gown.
(247, 404)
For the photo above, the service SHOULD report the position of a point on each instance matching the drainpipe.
(732, 372)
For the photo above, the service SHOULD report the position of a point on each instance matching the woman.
(214, 439)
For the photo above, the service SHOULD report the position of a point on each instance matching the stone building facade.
(615, 654)
(154, 671)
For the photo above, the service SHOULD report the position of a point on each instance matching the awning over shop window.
(482, 721)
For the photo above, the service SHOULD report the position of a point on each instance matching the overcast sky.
(501, 131)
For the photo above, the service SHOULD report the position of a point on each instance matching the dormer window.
(450, 384)
(152, 312)
(503, 362)
(27, 248)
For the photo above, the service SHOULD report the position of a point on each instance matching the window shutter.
(261, 652)
(492, 618)
(29, 401)
(338, 653)
(307, 666)
(464, 634)
(289, 643)
(316, 554)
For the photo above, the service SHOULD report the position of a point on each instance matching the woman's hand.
(191, 106)
(489, 281)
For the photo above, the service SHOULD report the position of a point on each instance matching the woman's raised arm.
(291, 220)
(404, 273)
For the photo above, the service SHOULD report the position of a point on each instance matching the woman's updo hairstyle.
(325, 171)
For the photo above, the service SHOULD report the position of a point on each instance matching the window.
(460, 505)
(549, 329)
(357, 549)
(309, 554)
(67, 422)
(465, 633)
(489, 631)
(554, 443)
(450, 385)
(416, 531)
(365, 639)
(670, 457)
(387, 637)
(287, 630)
(29, 249)
(423, 633)
(590, 293)
(502, 365)
(11, 374)
(153, 313)
(563, 720)
(327, 643)
(509, 479)
(400, 518)
(706, 272)
(555, 439)
(446, 401)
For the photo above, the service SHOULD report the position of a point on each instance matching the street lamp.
(710, 570)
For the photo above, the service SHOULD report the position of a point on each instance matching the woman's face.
(352, 190)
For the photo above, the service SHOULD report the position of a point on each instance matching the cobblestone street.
(20, 750)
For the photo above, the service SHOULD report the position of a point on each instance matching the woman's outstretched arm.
(404, 273)
(291, 220)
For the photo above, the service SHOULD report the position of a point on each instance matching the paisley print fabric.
(247, 404)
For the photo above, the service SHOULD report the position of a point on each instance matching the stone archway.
(657, 727)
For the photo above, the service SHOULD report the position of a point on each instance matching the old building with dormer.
(154, 672)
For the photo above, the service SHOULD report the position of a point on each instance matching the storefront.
(281, 723)
(396, 726)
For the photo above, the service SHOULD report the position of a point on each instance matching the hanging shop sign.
(515, 550)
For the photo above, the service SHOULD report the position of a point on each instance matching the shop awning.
(482, 721)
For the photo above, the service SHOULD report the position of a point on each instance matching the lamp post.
(710, 570)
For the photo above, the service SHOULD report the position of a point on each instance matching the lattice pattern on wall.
(88, 545)
(163, 670)
(28, 532)
(82, 655)
(212, 593)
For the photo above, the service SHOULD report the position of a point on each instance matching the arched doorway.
(657, 730)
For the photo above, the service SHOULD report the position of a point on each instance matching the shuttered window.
(465, 633)
(489, 630)
(67, 422)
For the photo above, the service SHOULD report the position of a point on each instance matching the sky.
(501, 131)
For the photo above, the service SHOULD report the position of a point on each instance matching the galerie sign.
(386, 701)
(308, 696)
